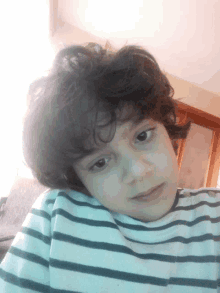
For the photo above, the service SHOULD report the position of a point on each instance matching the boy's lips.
(144, 194)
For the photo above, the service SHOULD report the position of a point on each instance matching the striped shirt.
(70, 242)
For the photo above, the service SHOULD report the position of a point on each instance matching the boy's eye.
(99, 164)
(143, 134)
(142, 137)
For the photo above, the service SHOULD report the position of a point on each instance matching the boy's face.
(133, 162)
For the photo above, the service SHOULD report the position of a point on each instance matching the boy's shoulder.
(54, 198)
(209, 191)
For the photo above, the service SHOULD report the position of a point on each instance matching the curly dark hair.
(84, 82)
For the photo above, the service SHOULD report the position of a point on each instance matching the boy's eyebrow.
(133, 126)
(126, 131)
(123, 135)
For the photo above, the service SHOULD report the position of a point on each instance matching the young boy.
(113, 219)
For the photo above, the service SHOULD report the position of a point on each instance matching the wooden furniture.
(199, 154)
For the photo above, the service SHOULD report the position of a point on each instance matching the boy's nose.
(137, 171)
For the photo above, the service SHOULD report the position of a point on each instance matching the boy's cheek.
(166, 164)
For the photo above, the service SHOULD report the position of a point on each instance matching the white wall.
(25, 54)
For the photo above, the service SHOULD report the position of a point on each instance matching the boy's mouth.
(144, 194)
